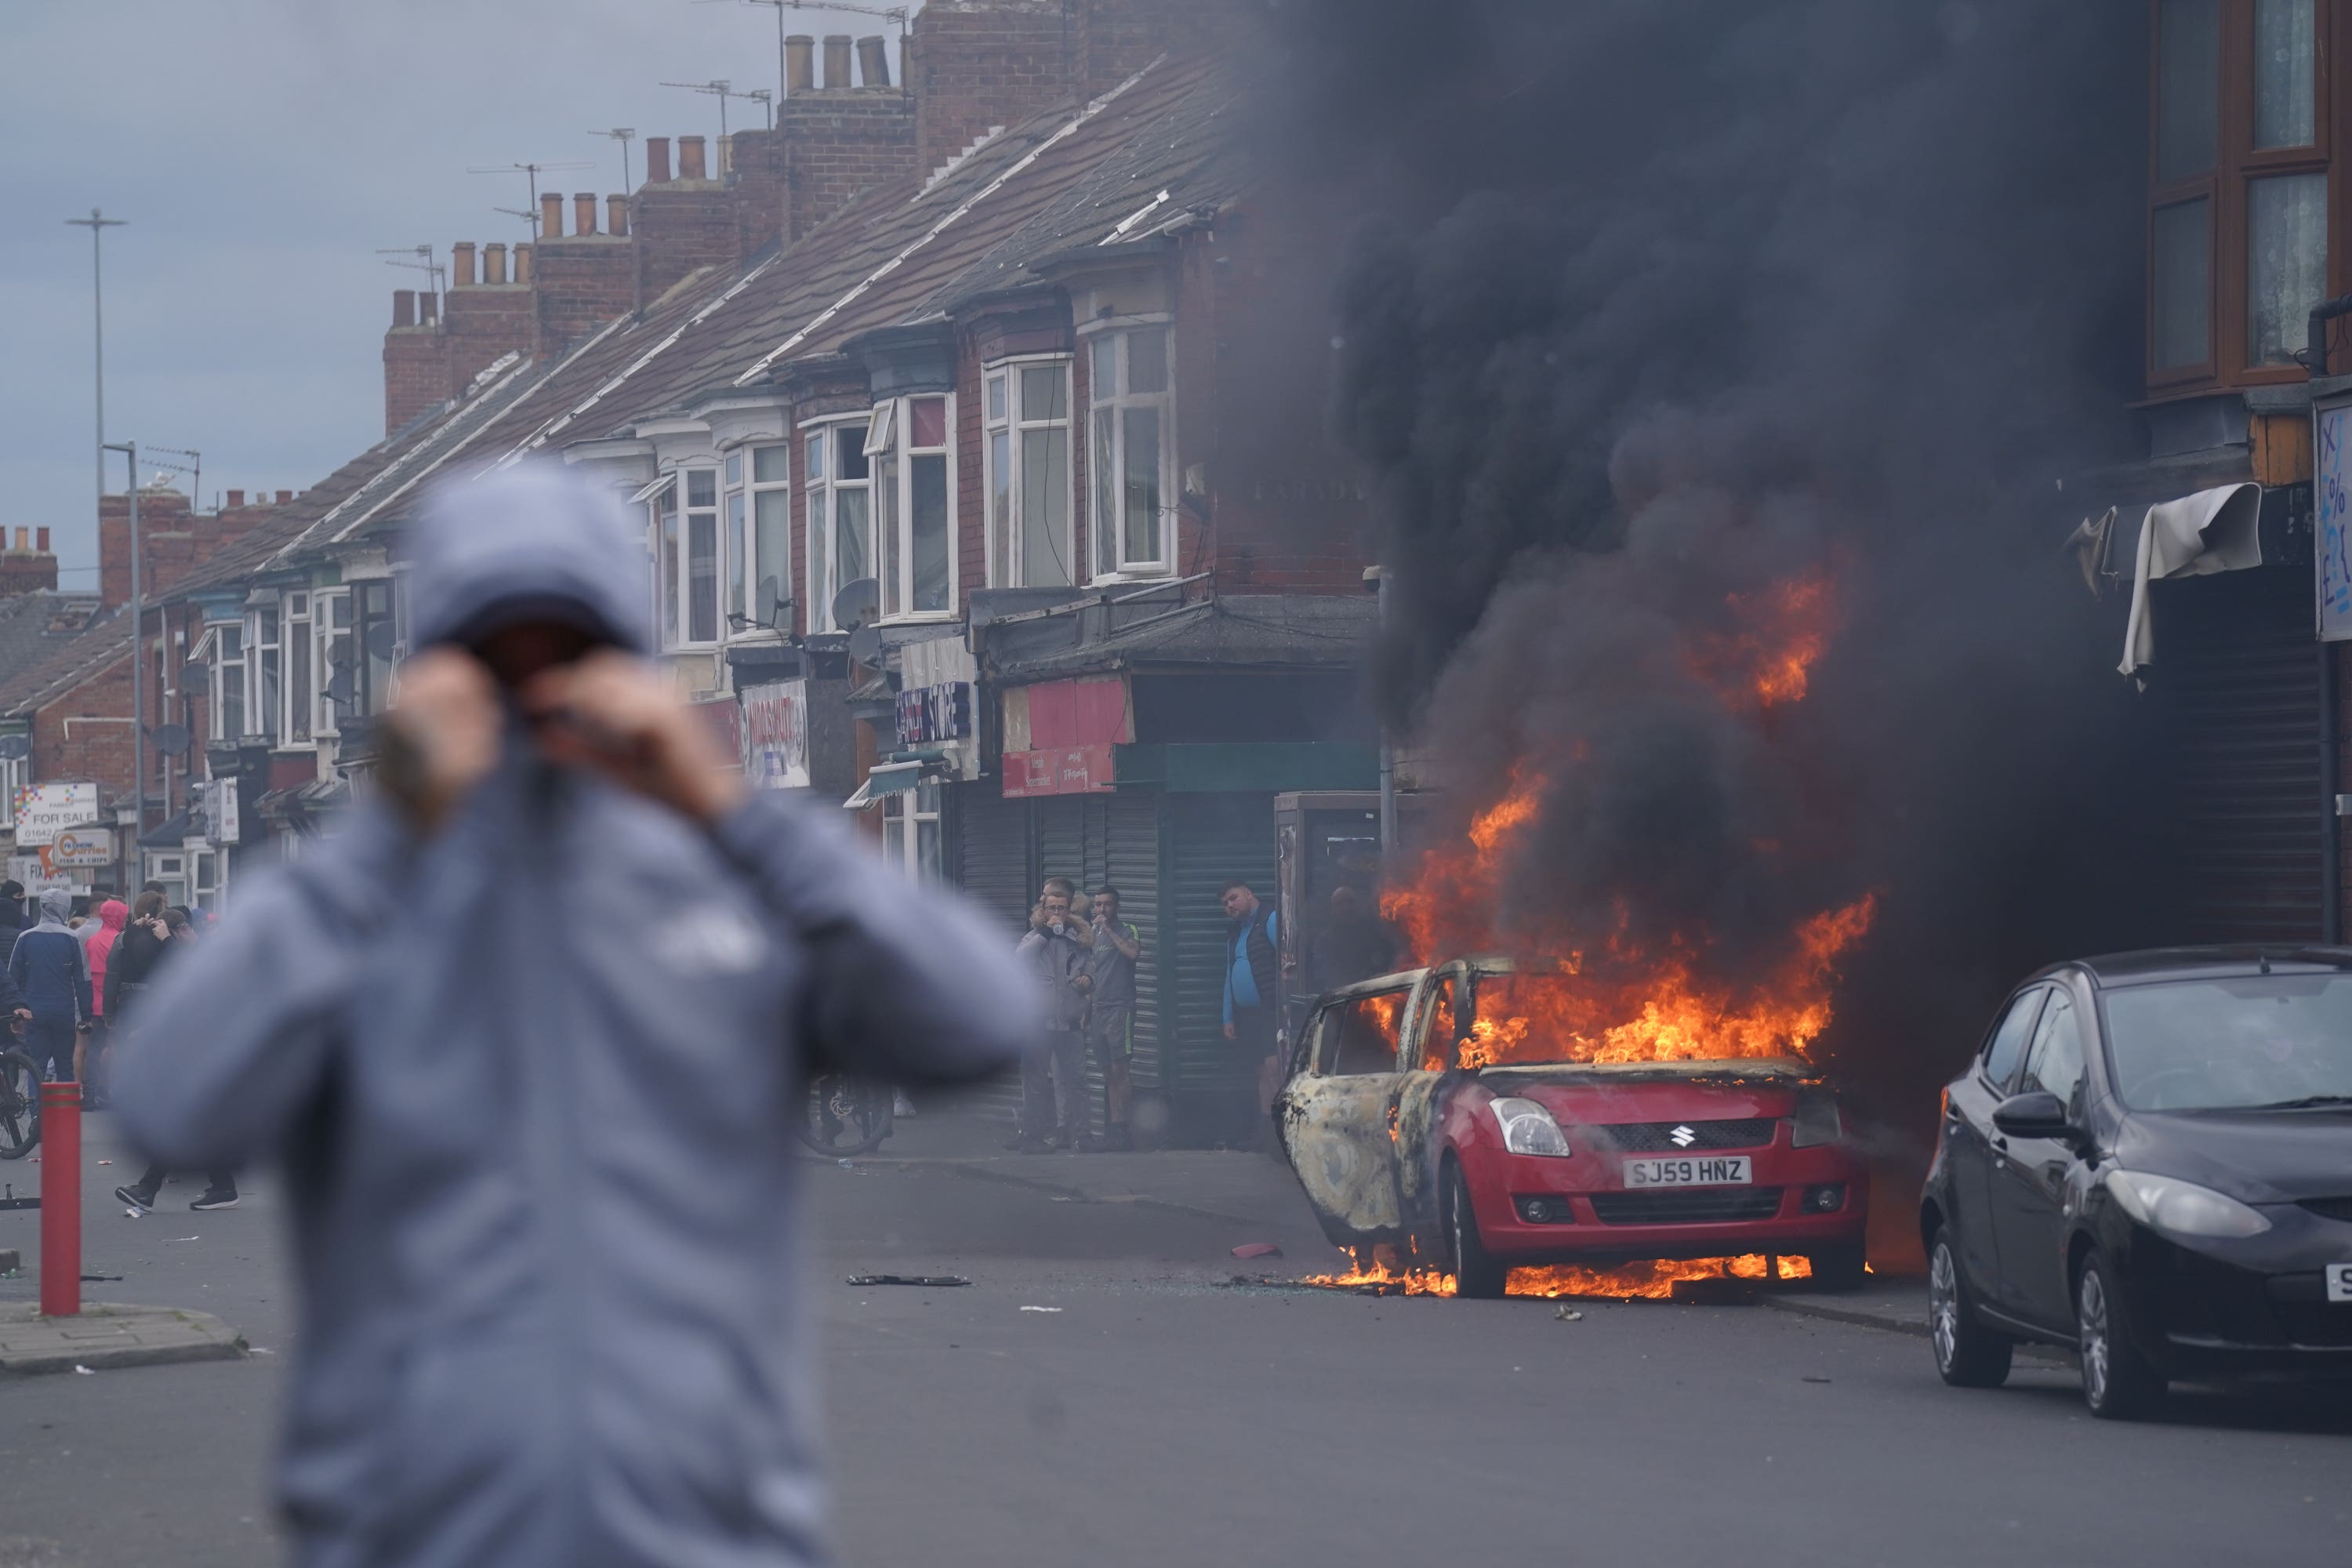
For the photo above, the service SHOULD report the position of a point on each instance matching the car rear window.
(2232, 1043)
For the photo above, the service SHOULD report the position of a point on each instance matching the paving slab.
(102, 1337)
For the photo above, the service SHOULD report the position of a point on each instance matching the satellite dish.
(763, 603)
(858, 604)
(866, 644)
(172, 740)
(380, 640)
(339, 687)
(195, 674)
(339, 653)
(16, 748)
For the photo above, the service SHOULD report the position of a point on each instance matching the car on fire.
(2149, 1161)
(1429, 1112)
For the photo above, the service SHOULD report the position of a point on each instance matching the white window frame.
(688, 510)
(229, 674)
(888, 431)
(1005, 422)
(905, 813)
(820, 490)
(264, 632)
(298, 710)
(759, 567)
(1107, 524)
(328, 608)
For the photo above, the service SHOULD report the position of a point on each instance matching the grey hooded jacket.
(533, 1082)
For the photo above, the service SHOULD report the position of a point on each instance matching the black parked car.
(2150, 1160)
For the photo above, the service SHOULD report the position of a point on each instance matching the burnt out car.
(2150, 1160)
(1434, 1111)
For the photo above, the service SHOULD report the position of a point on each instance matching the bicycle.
(842, 1116)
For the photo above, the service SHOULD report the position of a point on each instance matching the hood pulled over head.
(113, 914)
(56, 905)
(537, 542)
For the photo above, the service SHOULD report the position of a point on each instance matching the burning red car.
(1451, 1113)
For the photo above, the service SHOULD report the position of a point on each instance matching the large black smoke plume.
(1665, 306)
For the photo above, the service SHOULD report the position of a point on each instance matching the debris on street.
(1258, 1249)
(928, 1281)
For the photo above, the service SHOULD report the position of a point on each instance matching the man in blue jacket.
(539, 1150)
(1251, 969)
(50, 969)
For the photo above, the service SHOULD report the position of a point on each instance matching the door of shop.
(1210, 840)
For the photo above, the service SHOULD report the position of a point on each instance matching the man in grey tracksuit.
(541, 1163)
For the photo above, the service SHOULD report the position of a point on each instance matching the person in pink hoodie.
(90, 1051)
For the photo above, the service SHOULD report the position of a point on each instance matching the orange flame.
(1595, 997)
(1650, 1281)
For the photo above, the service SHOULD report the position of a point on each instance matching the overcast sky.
(262, 150)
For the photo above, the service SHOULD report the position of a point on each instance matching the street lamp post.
(98, 223)
(130, 449)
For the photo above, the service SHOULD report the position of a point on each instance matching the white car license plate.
(1690, 1170)
(2339, 1283)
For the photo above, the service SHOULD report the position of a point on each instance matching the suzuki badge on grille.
(1683, 1137)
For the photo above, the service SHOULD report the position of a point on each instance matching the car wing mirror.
(2038, 1114)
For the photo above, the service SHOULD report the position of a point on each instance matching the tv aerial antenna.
(193, 467)
(531, 171)
(424, 262)
(722, 89)
(896, 14)
(624, 134)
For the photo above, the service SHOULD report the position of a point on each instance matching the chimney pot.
(800, 64)
(874, 60)
(522, 264)
(689, 158)
(428, 308)
(616, 215)
(657, 160)
(41, 539)
(404, 307)
(494, 263)
(236, 497)
(24, 539)
(461, 265)
(836, 60)
(550, 214)
(584, 211)
(285, 496)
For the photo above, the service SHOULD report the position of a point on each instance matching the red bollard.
(60, 1200)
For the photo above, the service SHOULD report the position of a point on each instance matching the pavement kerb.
(1879, 1313)
(105, 1336)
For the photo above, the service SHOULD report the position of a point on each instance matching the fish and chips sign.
(44, 811)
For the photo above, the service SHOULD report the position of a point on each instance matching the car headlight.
(2182, 1208)
(1817, 1118)
(1527, 1128)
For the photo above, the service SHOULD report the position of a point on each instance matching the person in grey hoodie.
(545, 1186)
(50, 969)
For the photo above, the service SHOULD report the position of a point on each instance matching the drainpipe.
(2332, 804)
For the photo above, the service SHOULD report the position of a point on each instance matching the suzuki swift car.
(2149, 1159)
(1402, 1135)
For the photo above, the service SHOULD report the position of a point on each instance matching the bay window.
(228, 681)
(839, 489)
(1028, 482)
(262, 668)
(2237, 201)
(338, 677)
(738, 544)
(300, 698)
(376, 645)
(1133, 452)
(907, 442)
(700, 578)
(668, 592)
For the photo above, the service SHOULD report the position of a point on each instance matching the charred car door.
(1333, 1114)
(1431, 1046)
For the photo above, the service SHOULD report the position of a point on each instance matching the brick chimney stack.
(27, 568)
(973, 66)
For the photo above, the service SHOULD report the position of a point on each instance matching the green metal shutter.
(993, 867)
(1131, 848)
(1210, 838)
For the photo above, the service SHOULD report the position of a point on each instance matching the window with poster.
(911, 833)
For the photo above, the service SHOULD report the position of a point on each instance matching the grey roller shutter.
(2237, 674)
(1132, 849)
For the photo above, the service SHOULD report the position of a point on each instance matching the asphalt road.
(1161, 1416)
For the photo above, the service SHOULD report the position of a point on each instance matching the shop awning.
(889, 778)
(2217, 529)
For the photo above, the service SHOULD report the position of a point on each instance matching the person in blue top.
(50, 969)
(1251, 967)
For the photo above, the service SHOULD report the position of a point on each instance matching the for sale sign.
(43, 811)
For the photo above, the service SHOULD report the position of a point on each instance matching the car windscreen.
(2232, 1043)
